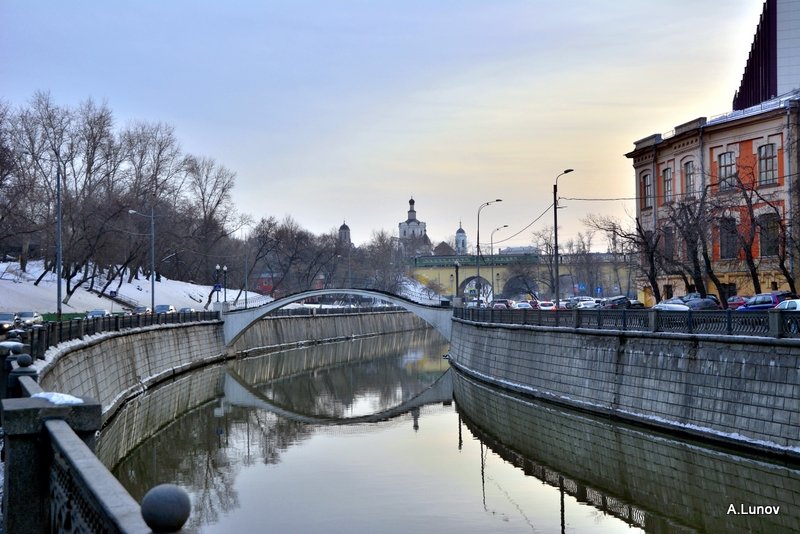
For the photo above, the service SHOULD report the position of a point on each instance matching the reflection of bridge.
(240, 393)
(237, 321)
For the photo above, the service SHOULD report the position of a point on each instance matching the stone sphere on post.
(165, 508)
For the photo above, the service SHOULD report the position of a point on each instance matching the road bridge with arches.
(455, 274)
(237, 321)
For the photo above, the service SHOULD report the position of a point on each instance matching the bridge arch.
(236, 322)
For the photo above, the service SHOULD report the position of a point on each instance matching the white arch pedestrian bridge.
(237, 321)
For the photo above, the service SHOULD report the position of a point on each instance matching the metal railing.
(42, 337)
(771, 323)
(54, 482)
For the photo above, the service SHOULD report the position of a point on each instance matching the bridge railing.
(770, 323)
(42, 337)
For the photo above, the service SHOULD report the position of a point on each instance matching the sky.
(341, 111)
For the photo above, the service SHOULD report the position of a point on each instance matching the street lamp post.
(491, 252)
(555, 237)
(152, 255)
(58, 241)
(456, 264)
(225, 283)
(216, 280)
(478, 283)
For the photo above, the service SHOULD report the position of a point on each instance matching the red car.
(736, 301)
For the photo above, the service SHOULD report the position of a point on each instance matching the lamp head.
(132, 211)
(217, 267)
(567, 171)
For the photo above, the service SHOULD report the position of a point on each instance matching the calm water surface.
(362, 436)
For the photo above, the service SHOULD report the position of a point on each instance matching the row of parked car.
(618, 302)
(763, 301)
(140, 310)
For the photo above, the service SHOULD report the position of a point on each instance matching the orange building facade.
(729, 184)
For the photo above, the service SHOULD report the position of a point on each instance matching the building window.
(769, 234)
(727, 170)
(667, 292)
(728, 239)
(667, 178)
(767, 164)
(669, 244)
(688, 179)
(647, 191)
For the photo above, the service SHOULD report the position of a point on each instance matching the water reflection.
(648, 480)
(360, 437)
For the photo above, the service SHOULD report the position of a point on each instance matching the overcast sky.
(333, 111)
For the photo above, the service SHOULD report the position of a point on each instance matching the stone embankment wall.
(676, 485)
(114, 366)
(741, 390)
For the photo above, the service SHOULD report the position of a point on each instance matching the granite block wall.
(734, 389)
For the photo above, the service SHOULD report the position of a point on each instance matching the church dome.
(344, 227)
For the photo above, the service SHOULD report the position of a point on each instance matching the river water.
(364, 436)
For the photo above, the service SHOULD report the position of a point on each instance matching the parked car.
(534, 304)
(165, 308)
(546, 305)
(139, 310)
(701, 304)
(765, 301)
(508, 303)
(499, 306)
(697, 295)
(789, 305)
(618, 302)
(94, 314)
(586, 304)
(636, 305)
(522, 306)
(574, 302)
(673, 304)
(186, 310)
(736, 301)
(8, 321)
(29, 318)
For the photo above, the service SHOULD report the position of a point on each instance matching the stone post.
(775, 323)
(28, 455)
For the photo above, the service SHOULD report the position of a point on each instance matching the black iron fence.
(42, 337)
(771, 323)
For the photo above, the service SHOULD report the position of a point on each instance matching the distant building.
(461, 241)
(413, 234)
(443, 249)
(344, 236)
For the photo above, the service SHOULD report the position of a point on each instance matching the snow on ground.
(18, 293)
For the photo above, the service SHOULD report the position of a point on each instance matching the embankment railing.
(53, 482)
(770, 323)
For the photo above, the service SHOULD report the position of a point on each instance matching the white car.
(522, 306)
(586, 304)
(29, 318)
(789, 305)
(546, 305)
(674, 304)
